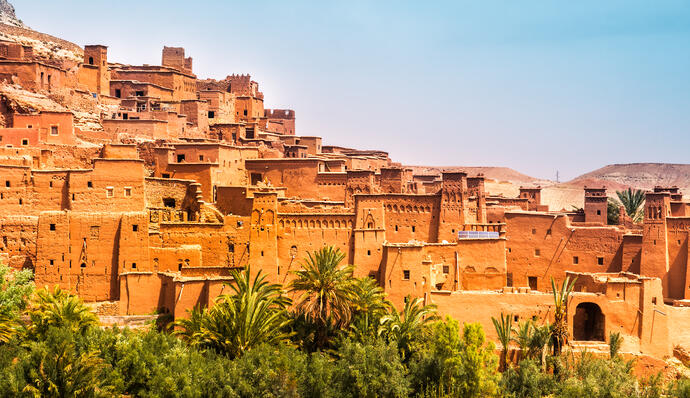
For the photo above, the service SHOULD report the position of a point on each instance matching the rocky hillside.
(641, 175)
(7, 15)
(46, 47)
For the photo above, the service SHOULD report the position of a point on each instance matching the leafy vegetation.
(633, 201)
(249, 344)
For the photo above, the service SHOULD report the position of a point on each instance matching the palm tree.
(615, 342)
(59, 308)
(559, 332)
(369, 304)
(57, 368)
(407, 326)
(504, 327)
(523, 337)
(539, 343)
(325, 292)
(8, 328)
(191, 329)
(255, 313)
(633, 201)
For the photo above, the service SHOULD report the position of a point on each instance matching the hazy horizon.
(534, 86)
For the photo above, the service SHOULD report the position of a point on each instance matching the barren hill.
(640, 175)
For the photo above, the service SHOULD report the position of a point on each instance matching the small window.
(53, 130)
(245, 112)
(180, 158)
(109, 192)
(368, 252)
(576, 260)
(52, 227)
(516, 318)
(82, 265)
(7, 183)
(165, 175)
(654, 300)
(413, 228)
(139, 93)
(135, 227)
(134, 265)
(537, 252)
(532, 281)
(509, 250)
(169, 202)
(548, 232)
(396, 228)
(128, 192)
(25, 142)
(534, 231)
(600, 260)
(90, 60)
(201, 158)
(262, 253)
(211, 114)
(598, 212)
(89, 184)
(50, 184)
(118, 93)
(509, 279)
(406, 274)
(52, 262)
(446, 269)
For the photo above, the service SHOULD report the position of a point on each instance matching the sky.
(537, 86)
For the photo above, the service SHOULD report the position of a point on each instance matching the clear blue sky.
(538, 86)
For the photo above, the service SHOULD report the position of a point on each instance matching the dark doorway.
(532, 281)
(256, 178)
(588, 323)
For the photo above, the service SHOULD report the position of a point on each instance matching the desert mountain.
(639, 175)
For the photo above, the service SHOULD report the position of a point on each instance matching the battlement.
(279, 113)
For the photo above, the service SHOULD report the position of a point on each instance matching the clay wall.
(83, 252)
(655, 244)
(542, 246)
(18, 137)
(299, 234)
(221, 246)
(18, 240)
(182, 84)
(113, 185)
(632, 253)
(410, 217)
(154, 129)
(53, 127)
(221, 106)
(129, 88)
(595, 205)
(299, 176)
(248, 109)
(280, 121)
(481, 306)
(197, 113)
(677, 271)
(33, 76)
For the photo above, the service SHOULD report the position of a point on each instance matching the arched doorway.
(588, 323)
